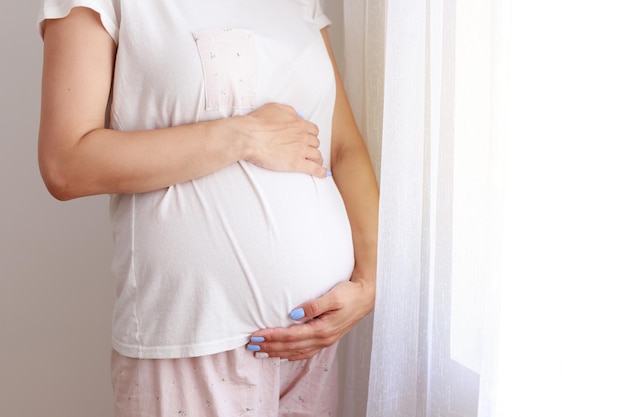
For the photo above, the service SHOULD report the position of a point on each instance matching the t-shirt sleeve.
(320, 19)
(108, 10)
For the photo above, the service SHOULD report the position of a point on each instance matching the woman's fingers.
(300, 341)
(281, 140)
(322, 322)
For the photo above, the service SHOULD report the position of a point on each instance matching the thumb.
(314, 308)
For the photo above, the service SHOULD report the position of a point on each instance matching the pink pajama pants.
(226, 384)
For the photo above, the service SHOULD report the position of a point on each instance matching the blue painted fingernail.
(261, 355)
(300, 115)
(253, 348)
(329, 173)
(297, 314)
(257, 339)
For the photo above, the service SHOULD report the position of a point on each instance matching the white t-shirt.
(201, 265)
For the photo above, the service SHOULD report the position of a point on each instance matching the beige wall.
(55, 282)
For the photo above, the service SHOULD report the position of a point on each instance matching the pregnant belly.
(242, 247)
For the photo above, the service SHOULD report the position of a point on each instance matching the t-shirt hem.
(175, 352)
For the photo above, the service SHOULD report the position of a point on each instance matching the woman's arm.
(78, 156)
(355, 178)
(335, 313)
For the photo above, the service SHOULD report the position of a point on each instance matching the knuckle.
(315, 308)
(290, 339)
(303, 148)
(326, 337)
(329, 341)
(299, 126)
(315, 130)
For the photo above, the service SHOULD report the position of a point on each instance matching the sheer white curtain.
(440, 181)
(427, 109)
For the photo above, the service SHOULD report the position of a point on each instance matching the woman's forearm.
(105, 161)
(358, 187)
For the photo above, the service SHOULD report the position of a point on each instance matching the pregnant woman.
(243, 202)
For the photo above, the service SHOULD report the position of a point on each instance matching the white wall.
(55, 282)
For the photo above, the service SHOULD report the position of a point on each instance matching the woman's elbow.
(56, 179)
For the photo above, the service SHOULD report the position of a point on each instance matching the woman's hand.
(278, 139)
(324, 321)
